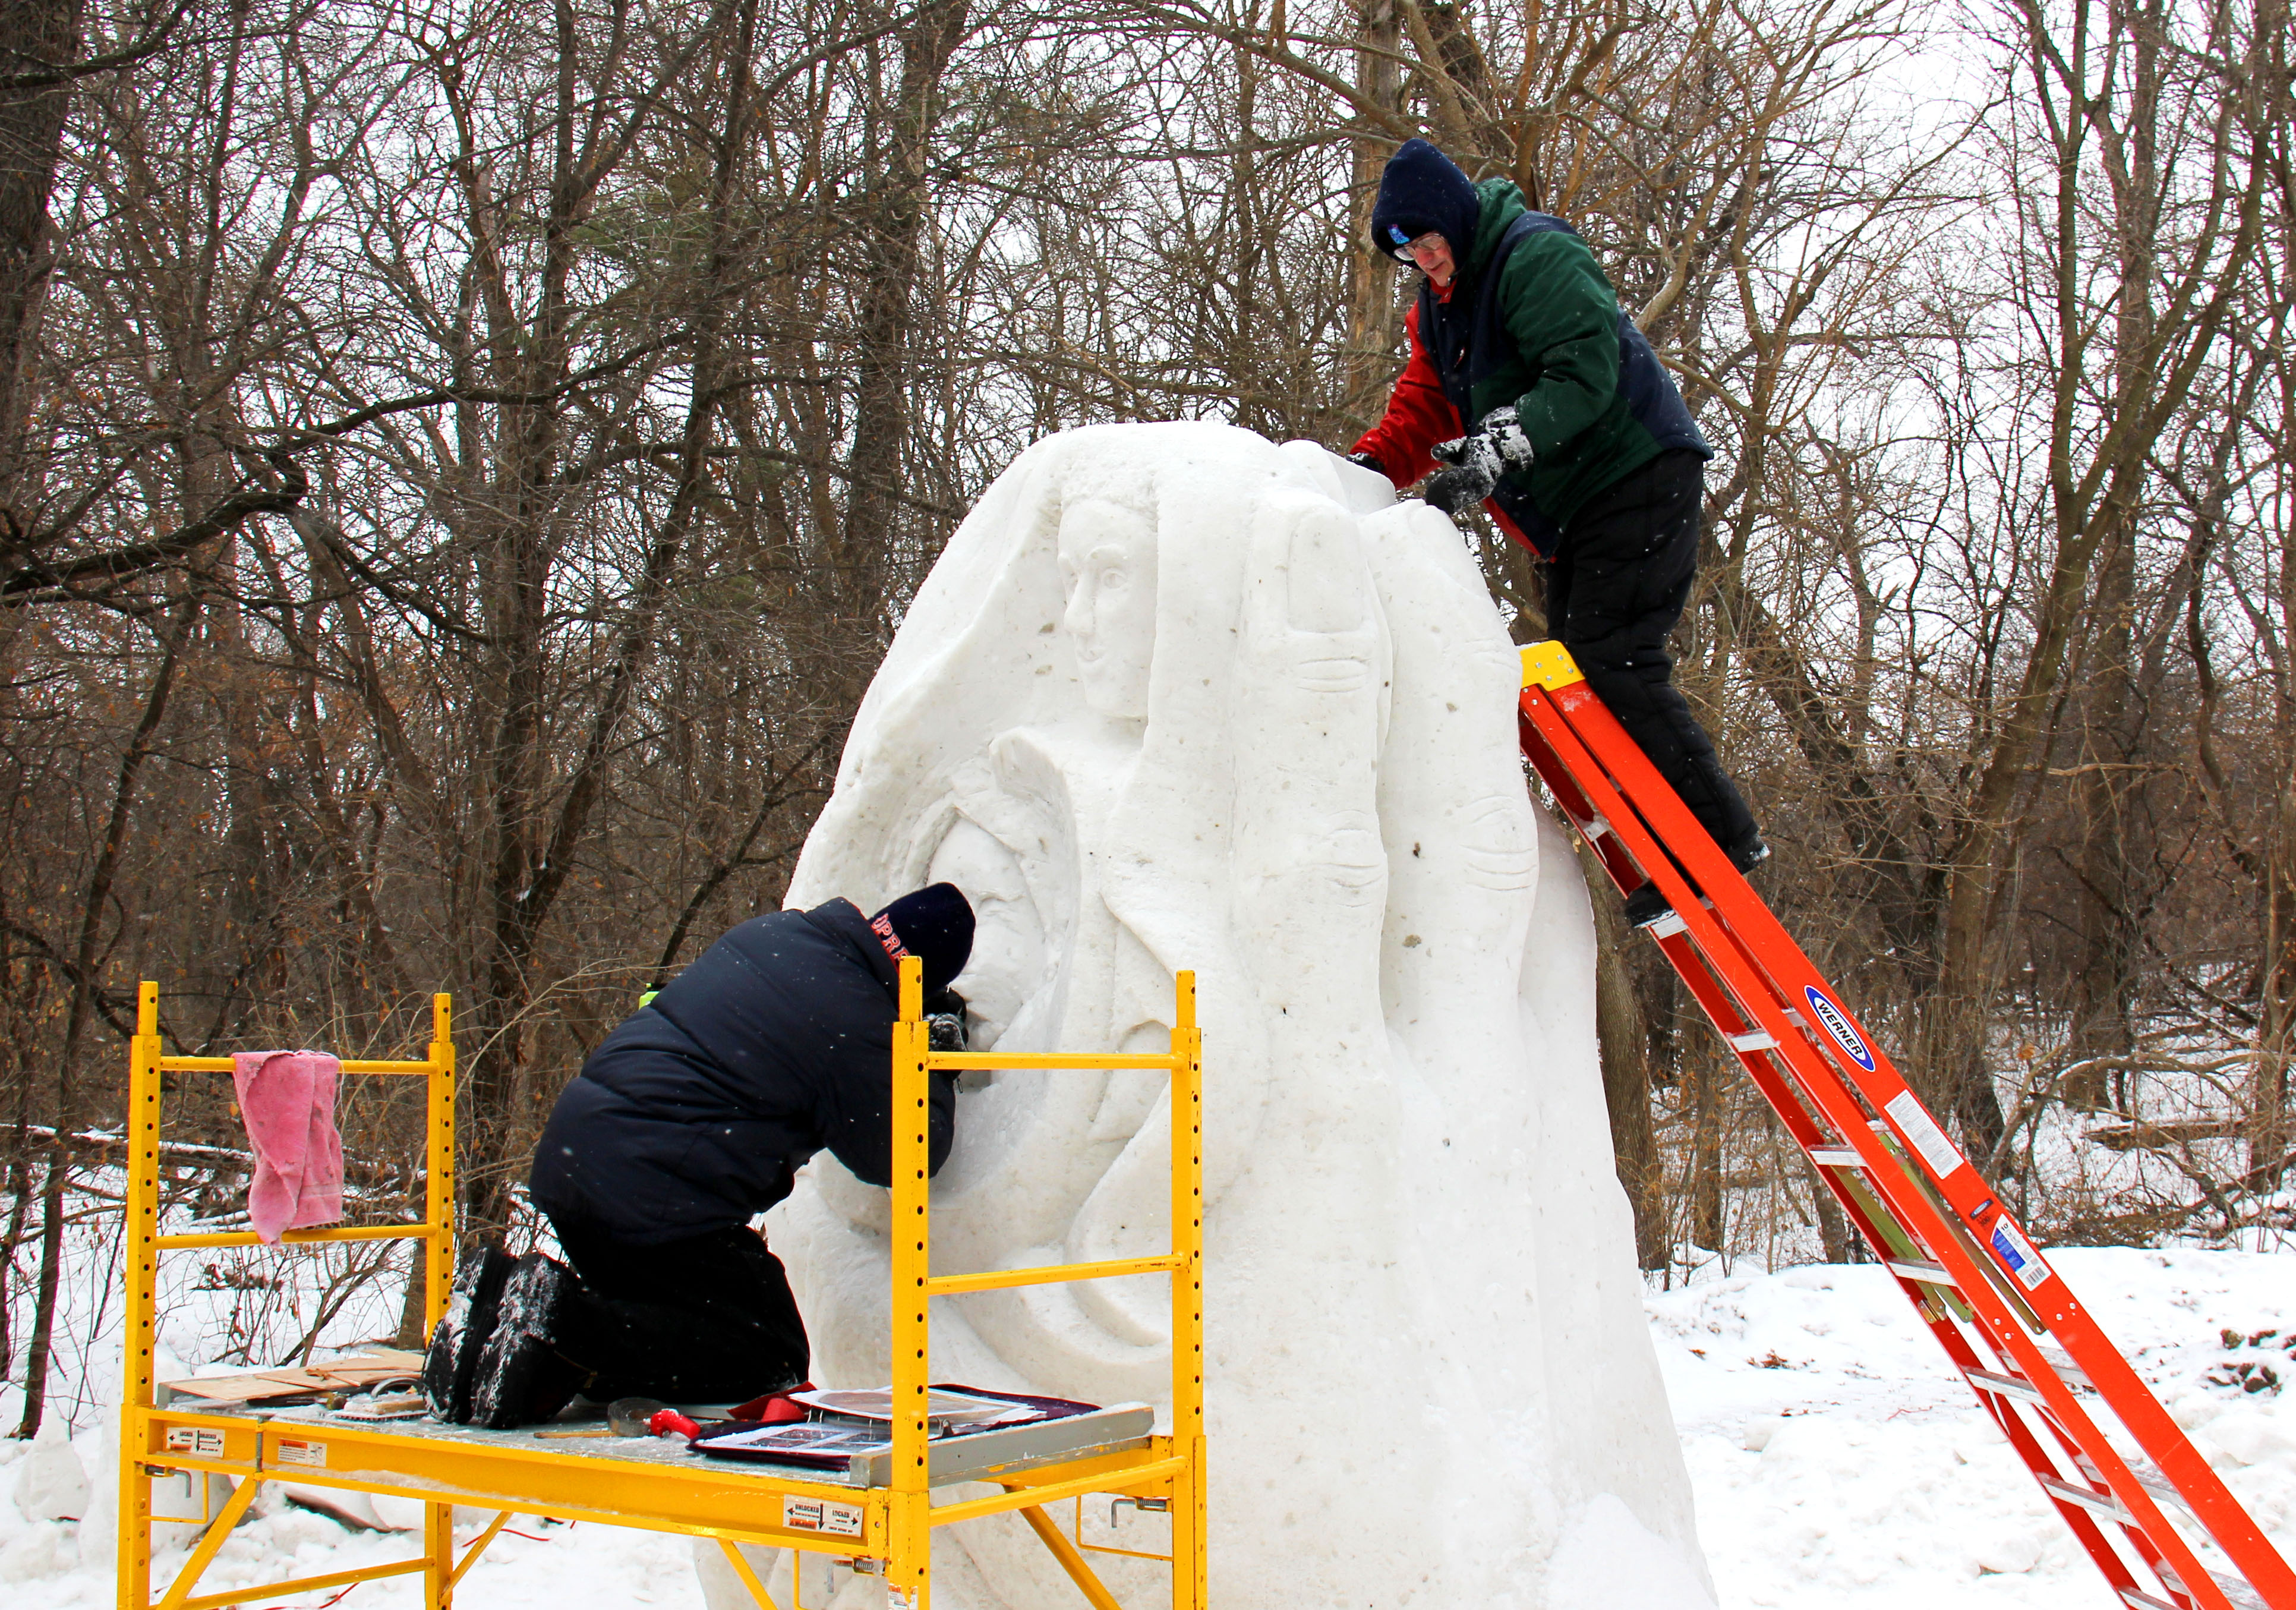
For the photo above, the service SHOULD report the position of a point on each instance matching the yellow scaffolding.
(654, 1486)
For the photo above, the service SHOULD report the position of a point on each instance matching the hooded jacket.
(1530, 318)
(696, 1112)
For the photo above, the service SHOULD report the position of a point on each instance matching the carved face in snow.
(1108, 579)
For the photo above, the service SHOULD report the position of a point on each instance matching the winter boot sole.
(1646, 905)
(452, 1361)
(517, 1365)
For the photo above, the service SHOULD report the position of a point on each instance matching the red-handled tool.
(665, 1421)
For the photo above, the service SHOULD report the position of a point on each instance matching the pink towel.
(288, 1100)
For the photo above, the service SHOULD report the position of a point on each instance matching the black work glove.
(1367, 462)
(1477, 461)
(944, 1021)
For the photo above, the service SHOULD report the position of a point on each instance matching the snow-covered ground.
(1835, 1460)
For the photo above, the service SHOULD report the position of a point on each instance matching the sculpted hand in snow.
(1309, 703)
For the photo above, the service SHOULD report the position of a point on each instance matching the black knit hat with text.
(935, 924)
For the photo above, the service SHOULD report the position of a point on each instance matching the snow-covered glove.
(944, 1021)
(1477, 461)
(1473, 474)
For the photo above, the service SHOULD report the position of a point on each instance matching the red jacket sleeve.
(1418, 417)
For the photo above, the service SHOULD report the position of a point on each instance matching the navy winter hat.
(1421, 192)
(935, 924)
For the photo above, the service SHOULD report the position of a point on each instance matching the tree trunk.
(1833, 1224)
(95, 904)
(1374, 310)
(893, 214)
(1623, 1031)
(2110, 935)
(2104, 980)
(34, 34)
(1704, 1093)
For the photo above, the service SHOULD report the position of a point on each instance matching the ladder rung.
(1753, 1040)
(2144, 1601)
(2232, 1587)
(1835, 1157)
(2090, 1499)
(2148, 1476)
(2007, 1386)
(2068, 1372)
(1598, 825)
(1796, 1019)
(2238, 1591)
(1665, 925)
(1914, 1269)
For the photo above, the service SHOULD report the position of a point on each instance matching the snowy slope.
(1835, 1461)
(1835, 1458)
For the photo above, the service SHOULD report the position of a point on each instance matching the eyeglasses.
(1411, 250)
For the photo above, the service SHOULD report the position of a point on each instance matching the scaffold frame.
(886, 1530)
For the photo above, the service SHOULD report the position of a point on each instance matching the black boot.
(463, 1330)
(520, 1379)
(1647, 904)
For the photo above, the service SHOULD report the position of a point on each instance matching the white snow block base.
(1178, 697)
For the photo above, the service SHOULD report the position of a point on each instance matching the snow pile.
(51, 1483)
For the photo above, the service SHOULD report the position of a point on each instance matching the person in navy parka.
(691, 1118)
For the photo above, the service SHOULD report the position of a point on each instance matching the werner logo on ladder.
(1986, 1293)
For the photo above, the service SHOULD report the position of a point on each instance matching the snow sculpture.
(1176, 697)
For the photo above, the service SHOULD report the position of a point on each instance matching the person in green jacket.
(1530, 392)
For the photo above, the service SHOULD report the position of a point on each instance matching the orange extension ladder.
(2009, 1323)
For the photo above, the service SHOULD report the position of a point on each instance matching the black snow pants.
(1616, 586)
(707, 1320)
